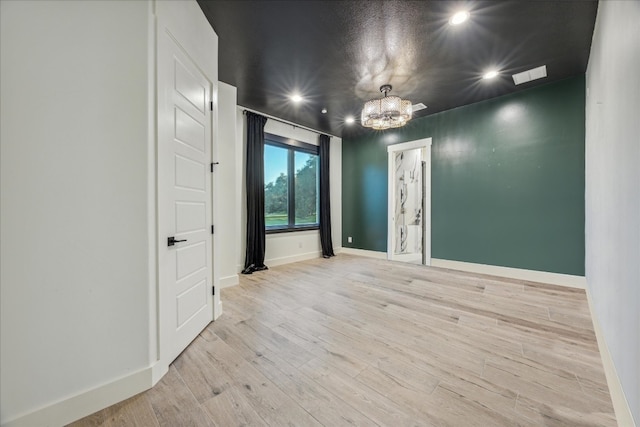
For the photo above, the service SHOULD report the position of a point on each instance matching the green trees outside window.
(291, 185)
(276, 190)
(306, 183)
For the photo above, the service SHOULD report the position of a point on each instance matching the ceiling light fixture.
(296, 97)
(459, 17)
(349, 120)
(386, 112)
(324, 111)
(490, 74)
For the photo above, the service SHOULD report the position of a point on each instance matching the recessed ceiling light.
(296, 97)
(349, 120)
(490, 74)
(459, 17)
(324, 111)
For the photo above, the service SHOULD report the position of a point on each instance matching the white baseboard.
(158, 370)
(83, 404)
(229, 281)
(493, 270)
(514, 273)
(219, 311)
(363, 252)
(273, 262)
(620, 403)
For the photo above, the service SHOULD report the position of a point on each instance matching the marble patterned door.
(408, 205)
(409, 202)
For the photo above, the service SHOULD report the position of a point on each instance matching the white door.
(184, 197)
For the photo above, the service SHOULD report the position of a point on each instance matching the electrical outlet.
(349, 239)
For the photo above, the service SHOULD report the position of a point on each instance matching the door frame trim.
(425, 145)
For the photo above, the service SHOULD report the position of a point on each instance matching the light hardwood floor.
(357, 341)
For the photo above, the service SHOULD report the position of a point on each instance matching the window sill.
(292, 230)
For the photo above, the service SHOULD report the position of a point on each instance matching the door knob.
(172, 241)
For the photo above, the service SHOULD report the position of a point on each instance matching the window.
(291, 184)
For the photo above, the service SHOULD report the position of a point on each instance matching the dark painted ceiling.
(337, 54)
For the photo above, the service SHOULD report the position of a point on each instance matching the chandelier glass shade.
(386, 112)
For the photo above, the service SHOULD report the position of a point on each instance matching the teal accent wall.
(507, 180)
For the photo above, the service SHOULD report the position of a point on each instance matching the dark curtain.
(254, 258)
(325, 204)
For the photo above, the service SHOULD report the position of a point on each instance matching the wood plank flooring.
(357, 341)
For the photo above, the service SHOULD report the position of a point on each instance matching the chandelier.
(386, 112)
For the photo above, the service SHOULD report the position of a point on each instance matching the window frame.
(293, 145)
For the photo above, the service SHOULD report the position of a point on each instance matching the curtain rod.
(245, 109)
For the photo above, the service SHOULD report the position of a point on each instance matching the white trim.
(216, 205)
(228, 281)
(363, 252)
(86, 403)
(618, 398)
(293, 258)
(425, 145)
(220, 311)
(559, 279)
(158, 370)
(418, 143)
(152, 202)
(567, 280)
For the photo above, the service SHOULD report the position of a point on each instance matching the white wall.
(75, 207)
(613, 188)
(283, 248)
(240, 182)
(227, 223)
(335, 185)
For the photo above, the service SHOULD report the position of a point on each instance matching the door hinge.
(212, 228)
(213, 290)
(213, 164)
(210, 105)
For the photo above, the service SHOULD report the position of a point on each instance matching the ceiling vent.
(418, 107)
(529, 75)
